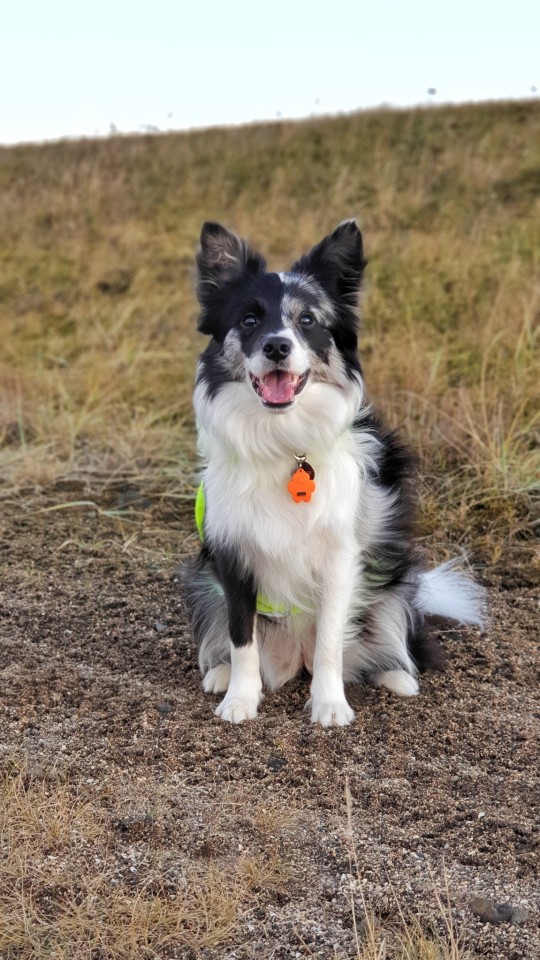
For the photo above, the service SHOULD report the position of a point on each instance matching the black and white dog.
(307, 557)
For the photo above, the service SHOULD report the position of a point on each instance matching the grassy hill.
(133, 823)
(97, 313)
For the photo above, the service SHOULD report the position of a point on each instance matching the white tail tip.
(448, 592)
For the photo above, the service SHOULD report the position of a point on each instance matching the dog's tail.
(448, 592)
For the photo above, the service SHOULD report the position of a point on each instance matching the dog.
(306, 507)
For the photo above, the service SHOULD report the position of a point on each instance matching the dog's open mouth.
(279, 388)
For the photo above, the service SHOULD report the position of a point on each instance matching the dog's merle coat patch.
(281, 376)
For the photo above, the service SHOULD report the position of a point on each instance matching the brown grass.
(70, 888)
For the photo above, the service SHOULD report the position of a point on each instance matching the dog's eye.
(306, 320)
(249, 320)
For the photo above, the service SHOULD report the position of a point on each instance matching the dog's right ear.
(222, 258)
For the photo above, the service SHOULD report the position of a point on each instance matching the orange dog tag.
(301, 486)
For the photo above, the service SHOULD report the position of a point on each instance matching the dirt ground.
(99, 686)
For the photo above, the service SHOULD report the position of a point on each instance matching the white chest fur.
(287, 545)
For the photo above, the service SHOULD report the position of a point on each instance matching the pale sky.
(71, 69)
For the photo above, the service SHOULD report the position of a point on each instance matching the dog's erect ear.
(223, 257)
(337, 262)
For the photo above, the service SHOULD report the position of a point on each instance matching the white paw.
(236, 709)
(329, 713)
(217, 678)
(398, 681)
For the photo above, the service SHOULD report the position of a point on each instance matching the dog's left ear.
(223, 257)
(337, 262)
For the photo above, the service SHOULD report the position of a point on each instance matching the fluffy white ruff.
(236, 424)
(289, 547)
(449, 593)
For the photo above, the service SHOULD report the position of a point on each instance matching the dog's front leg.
(245, 685)
(328, 703)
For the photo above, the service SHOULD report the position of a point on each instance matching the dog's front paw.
(236, 709)
(328, 704)
(331, 713)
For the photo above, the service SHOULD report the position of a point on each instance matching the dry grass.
(70, 888)
(63, 894)
(86, 877)
(97, 312)
(409, 937)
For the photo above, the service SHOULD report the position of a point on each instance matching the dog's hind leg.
(208, 616)
(382, 647)
(217, 679)
(398, 681)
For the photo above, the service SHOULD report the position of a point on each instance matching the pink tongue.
(278, 387)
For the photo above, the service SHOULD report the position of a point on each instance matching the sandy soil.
(99, 681)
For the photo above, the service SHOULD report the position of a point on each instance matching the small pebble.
(504, 910)
(163, 708)
(519, 915)
(479, 906)
(115, 281)
(275, 763)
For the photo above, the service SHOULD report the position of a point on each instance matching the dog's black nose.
(277, 348)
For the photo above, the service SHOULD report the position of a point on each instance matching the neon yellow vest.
(264, 605)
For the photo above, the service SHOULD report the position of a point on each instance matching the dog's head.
(280, 332)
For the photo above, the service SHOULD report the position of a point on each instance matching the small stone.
(489, 913)
(276, 763)
(480, 906)
(160, 627)
(492, 915)
(135, 823)
(35, 772)
(519, 915)
(505, 910)
(163, 708)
